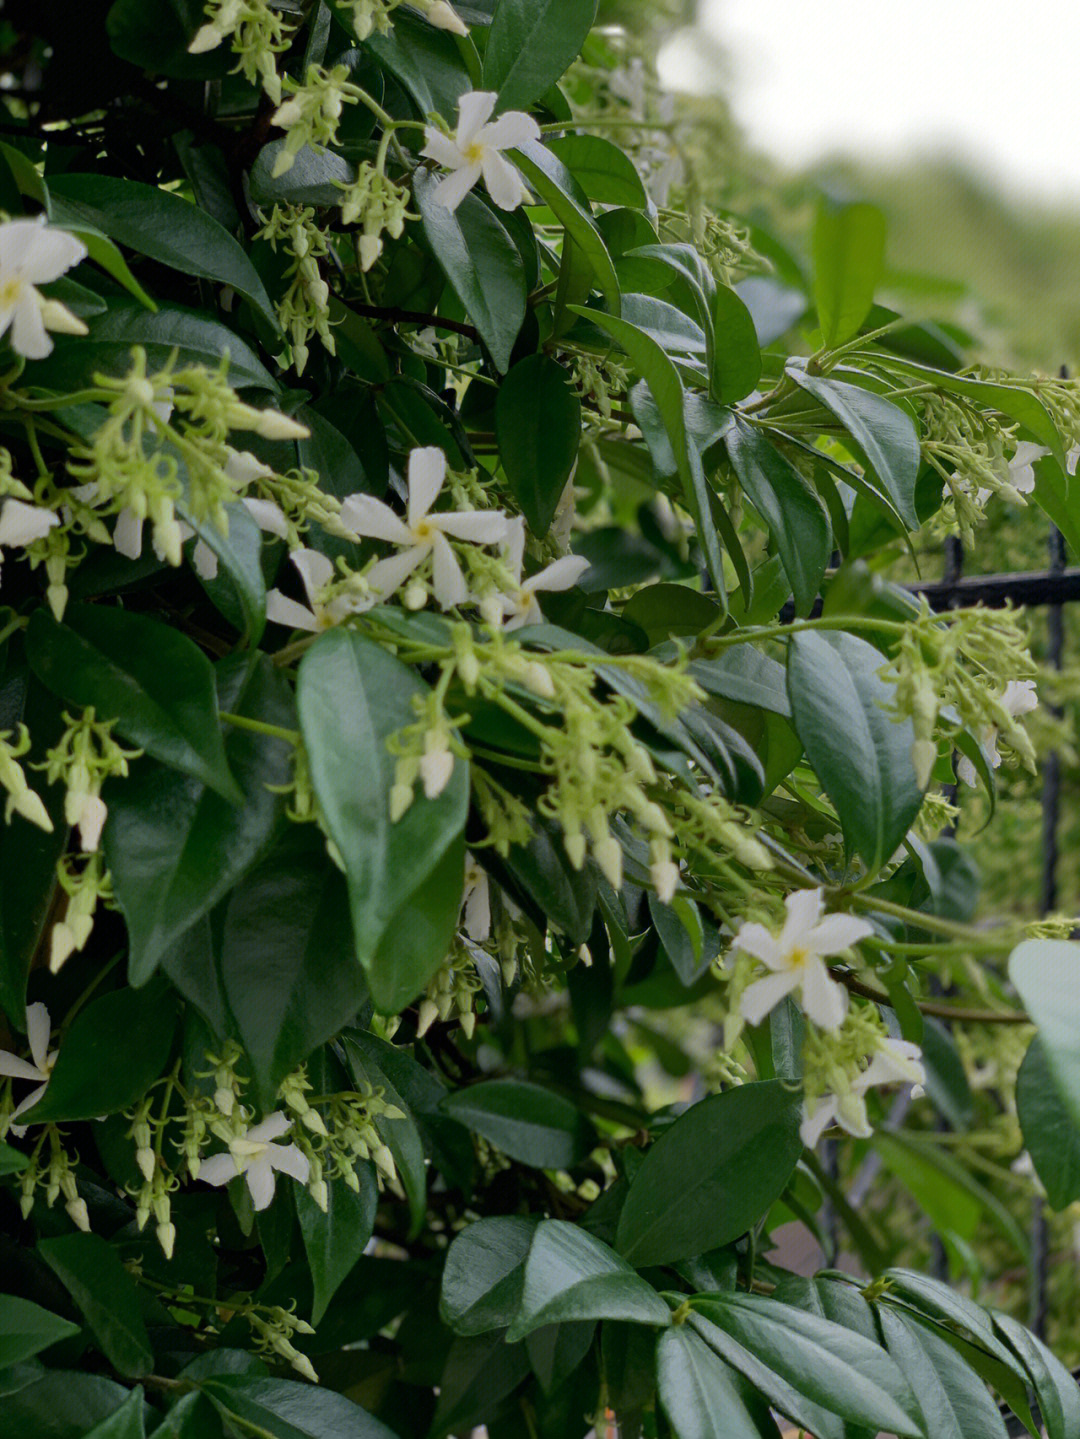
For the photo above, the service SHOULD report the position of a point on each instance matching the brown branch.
(398, 316)
(940, 1011)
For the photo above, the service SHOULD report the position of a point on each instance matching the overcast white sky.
(995, 82)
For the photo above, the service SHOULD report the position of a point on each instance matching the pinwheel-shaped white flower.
(422, 533)
(476, 149)
(520, 605)
(795, 957)
(21, 524)
(38, 1068)
(1021, 466)
(316, 572)
(896, 1061)
(1019, 698)
(255, 1155)
(476, 902)
(31, 254)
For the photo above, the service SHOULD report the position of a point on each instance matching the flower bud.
(77, 1212)
(166, 1236)
(444, 17)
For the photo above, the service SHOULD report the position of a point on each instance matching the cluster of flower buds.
(21, 799)
(311, 114)
(258, 32)
(85, 756)
(376, 204)
(86, 882)
(304, 309)
(274, 1329)
(56, 1176)
(451, 993)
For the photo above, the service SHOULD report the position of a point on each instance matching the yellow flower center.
(10, 290)
(797, 958)
(474, 153)
(423, 531)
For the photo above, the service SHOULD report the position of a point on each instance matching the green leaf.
(861, 755)
(481, 262)
(115, 1049)
(563, 196)
(735, 367)
(530, 45)
(103, 252)
(12, 1161)
(849, 259)
(883, 435)
(672, 329)
(367, 1062)
(167, 228)
(281, 1409)
(288, 958)
(1012, 401)
(527, 1122)
(196, 337)
(653, 365)
(106, 1295)
(797, 520)
(1046, 973)
(152, 680)
(1055, 1388)
(942, 1302)
(832, 1365)
(62, 1404)
(1056, 495)
(538, 430)
(563, 896)
(743, 674)
(605, 173)
(26, 1329)
(175, 848)
(334, 1241)
(665, 611)
(570, 1275)
(946, 1079)
(700, 1394)
(127, 1422)
(156, 39)
(405, 878)
(427, 62)
(953, 1400)
(484, 1274)
(315, 177)
(712, 1174)
(1051, 1133)
(238, 590)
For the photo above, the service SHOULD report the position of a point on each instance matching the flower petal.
(242, 467)
(314, 569)
(260, 1182)
(426, 475)
(373, 520)
(28, 1103)
(804, 908)
(218, 1169)
(448, 581)
(387, 577)
(52, 253)
(442, 150)
(514, 547)
(765, 994)
(38, 1032)
(270, 1128)
(559, 575)
(513, 128)
(452, 190)
(823, 1000)
(268, 516)
(22, 524)
(290, 1160)
(481, 527)
(755, 939)
(504, 184)
(474, 109)
(15, 1068)
(29, 336)
(815, 1123)
(280, 610)
(836, 932)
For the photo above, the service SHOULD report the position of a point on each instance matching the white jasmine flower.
(38, 1068)
(1021, 466)
(896, 1061)
(316, 572)
(421, 533)
(31, 254)
(520, 606)
(1019, 698)
(21, 524)
(476, 901)
(795, 957)
(476, 149)
(254, 1155)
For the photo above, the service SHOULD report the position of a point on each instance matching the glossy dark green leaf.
(282, 1409)
(700, 1394)
(405, 877)
(861, 755)
(12, 1161)
(789, 505)
(672, 329)
(1045, 971)
(745, 675)
(157, 39)
(116, 1047)
(484, 1274)
(712, 1174)
(481, 262)
(946, 1079)
(530, 45)
(883, 435)
(148, 677)
(154, 222)
(238, 590)
(553, 183)
(538, 429)
(527, 1122)
(735, 367)
(849, 258)
(665, 611)
(26, 1329)
(561, 894)
(832, 1365)
(103, 252)
(942, 1302)
(605, 173)
(479, 1373)
(679, 928)
(288, 958)
(427, 62)
(107, 1297)
(654, 366)
(335, 1240)
(1051, 1134)
(62, 1404)
(173, 846)
(128, 1422)
(197, 337)
(1055, 1388)
(315, 177)
(954, 1402)
(570, 1275)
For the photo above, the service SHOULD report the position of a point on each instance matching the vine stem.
(957, 1013)
(290, 736)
